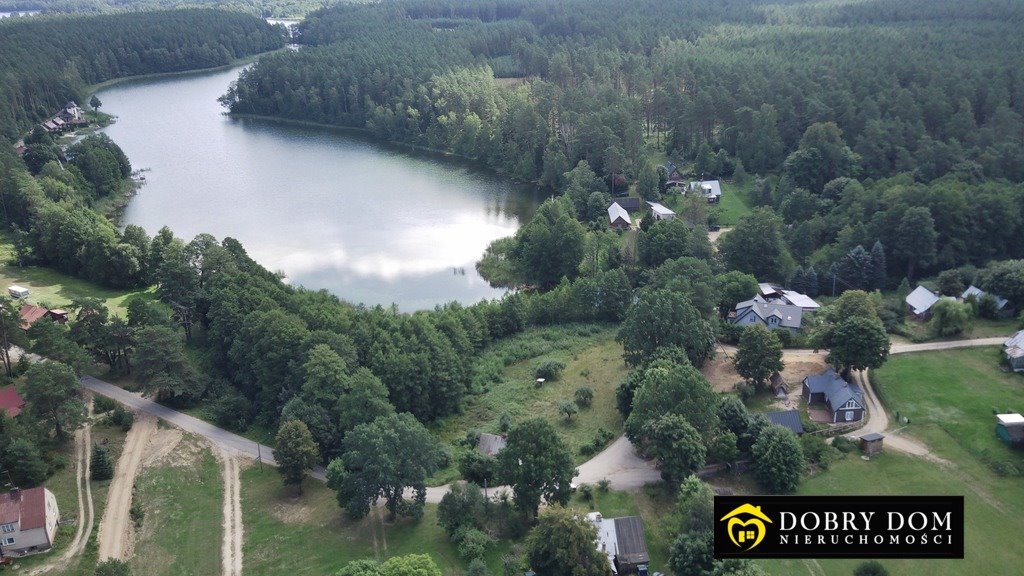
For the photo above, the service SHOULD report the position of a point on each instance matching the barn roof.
(921, 299)
(787, 419)
(615, 212)
(661, 209)
(632, 546)
(973, 290)
(30, 313)
(490, 444)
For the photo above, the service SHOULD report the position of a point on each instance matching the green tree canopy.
(295, 452)
(537, 465)
(759, 354)
(778, 460)
(662, 318)
(563, 543)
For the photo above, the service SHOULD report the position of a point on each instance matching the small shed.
(661, 212)
(58, 315)
(1010, 429)
(871, 444)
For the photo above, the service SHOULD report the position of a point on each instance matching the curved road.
(619, 462)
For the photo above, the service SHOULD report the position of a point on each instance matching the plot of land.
(950, 397)
(592, 358)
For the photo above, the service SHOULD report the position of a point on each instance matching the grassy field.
(950, 397)
(62, 484)
(592, 358)
(310, 535)
(54, 289)
(982, 328)
(994, 509)
(733, 204)
(181, 500)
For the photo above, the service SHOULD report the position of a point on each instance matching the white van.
(17, 291)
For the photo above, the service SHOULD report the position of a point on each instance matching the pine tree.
(878, 266)
(811, 282)
(799, 280)
(101, 467)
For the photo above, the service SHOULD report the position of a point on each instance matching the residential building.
(674, 175)
(774, 293)
(10, 401)
(1013, 348)
(787, 419)
(28, 521)
(1002, 304)
(659, 212)
(711, 189)
(622, 540)
(774, 315)
(844, 400)
(618, 218)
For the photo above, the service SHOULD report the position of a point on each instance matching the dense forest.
(262, 8)
(46, 61)
(854, 112)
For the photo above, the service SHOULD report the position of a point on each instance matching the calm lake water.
(372, 223)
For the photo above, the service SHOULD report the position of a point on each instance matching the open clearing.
(592, 358)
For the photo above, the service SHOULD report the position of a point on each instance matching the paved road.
(218, 436)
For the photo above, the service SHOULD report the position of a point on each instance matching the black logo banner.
(839, 527)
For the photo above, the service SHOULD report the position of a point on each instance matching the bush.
(785, 336)
(477, 467)
(472, 438)
(101, 404)
(505, 422)
(232, 411)
(603, 485)
(122, 417)
(550, 370)
(870, 568)
(584, 396)
(817, 451)
(586, 492)
(845, 445)
(472, 543)
(745, 391)
(113, 568)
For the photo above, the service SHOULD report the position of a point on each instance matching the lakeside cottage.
(28, 521)
(843, 400)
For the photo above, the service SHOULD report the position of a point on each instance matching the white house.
(28, 521)
(618, 218)
(711, 189)
(920, 302)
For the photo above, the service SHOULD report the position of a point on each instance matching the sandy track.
(231, 548)
(115, 527)
(83, 454)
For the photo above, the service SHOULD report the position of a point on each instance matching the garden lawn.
(994, 512)
(653, 504)
(950, 397)
(54, 289)
(181, 497)
(733, 204)
(592, 357)
(982, 328)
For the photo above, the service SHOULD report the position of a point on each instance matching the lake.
(370, 222)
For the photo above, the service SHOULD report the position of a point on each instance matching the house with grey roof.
(490, 444)
(773, 315)
(673, 175)
(622, 541)
(618, 218)
(844, 400)
(1013, 349)
(774, 293)
(660, 212)
(920, 302)
(1002, 304)
(787, 419)
(711, 189)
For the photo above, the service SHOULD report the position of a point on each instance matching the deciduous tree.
(759, 354)
(295, 452)
(563, 543)
(537, 465)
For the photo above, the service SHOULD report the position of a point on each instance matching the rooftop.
(787, 419)
(921, 299)
(711, 188)
(790, 316)
(615, 212)
(1013, 419)
(490, 444)
(26, 506)
(10, 401)
(872, 437)
(837, 391)
(660, 209)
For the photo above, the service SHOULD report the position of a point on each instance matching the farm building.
(10, 401)
(844, 400)
(789, 419)
(29, 520)
(1010, 429)
(711, 189)
(660, 212)
(920, 302)
(1013, 348)
(618, 218)
(490, 444)
(622, 540)
(1002, 304)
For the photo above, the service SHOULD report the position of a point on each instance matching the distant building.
(630, 203)
(1013, 348)
(871, 444)
(1010, 429)
(30, 313)
(622, 540)
(771, 314)
(787, 419)
(844, 400)
(490, 444)
(660, 212)
(10, 401)
(773, 293)
(711, 189)
(673, 174)
(920, 302)
(28, 521)
(1002, 304)
(618, 218)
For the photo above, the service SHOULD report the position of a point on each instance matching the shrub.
(603, 485)
(101, 404)
(586, 492)
(550, 370)
(817, 451)
(785, 336)
(472, 543)
(505, 422)
(745, 391)
(845, 445)
(569, 408)
(232, 410)
(870, 568)
(472, 438)
(113, 568)
(101, 467)
(122, 417)
(584, 396)
(477, 467)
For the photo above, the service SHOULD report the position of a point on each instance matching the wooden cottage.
(844, 400)
(618, 218)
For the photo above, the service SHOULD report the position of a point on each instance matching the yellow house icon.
(751, 530)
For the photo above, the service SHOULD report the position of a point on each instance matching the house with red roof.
(10, 401)
(28, 521)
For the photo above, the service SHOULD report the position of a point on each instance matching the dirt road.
(115, 536)
(878, 421)
(83, 455)
(231, 548)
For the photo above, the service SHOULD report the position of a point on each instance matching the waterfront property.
(28, 521)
